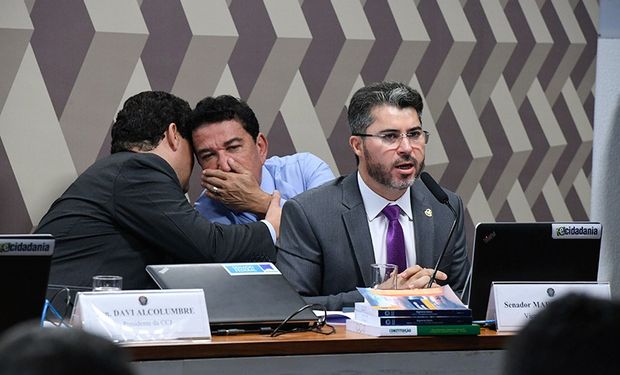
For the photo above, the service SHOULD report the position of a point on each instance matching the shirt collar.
(374, 203)
(267, 183)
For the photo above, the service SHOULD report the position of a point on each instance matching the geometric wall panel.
(507, 85)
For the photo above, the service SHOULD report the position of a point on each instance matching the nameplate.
(512, 305)
(143, 315)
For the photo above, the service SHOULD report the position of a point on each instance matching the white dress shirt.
(378, 223)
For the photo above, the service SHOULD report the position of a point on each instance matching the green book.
(420, 330)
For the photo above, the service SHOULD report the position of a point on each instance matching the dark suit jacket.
(325, 249)
(127, 211)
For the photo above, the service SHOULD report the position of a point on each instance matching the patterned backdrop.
(508, 87)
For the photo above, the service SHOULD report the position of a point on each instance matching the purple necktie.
(395, 238)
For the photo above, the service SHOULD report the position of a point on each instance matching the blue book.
(412, 320)
(365, 308)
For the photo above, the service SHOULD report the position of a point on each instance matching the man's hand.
(417, 277)
(274, 212)
(238, 190)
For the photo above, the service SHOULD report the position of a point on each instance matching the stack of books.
(414, 312)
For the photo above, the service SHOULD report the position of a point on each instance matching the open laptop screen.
(543, 252)
(24, 269)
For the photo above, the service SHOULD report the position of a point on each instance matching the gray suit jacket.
(325, 249)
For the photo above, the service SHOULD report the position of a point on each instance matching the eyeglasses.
(417, 136)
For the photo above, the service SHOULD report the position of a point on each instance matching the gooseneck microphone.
(442, 197)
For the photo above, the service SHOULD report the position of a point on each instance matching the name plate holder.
(513, 304)
(143, 315)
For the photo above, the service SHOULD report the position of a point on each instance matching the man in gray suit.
(330, 235)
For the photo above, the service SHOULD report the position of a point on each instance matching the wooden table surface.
(304, 343)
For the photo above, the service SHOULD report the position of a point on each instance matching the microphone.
(442, 197)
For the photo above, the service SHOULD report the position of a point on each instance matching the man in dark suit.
(129, 210)
(332, 234)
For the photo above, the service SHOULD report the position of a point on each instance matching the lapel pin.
(428, 212)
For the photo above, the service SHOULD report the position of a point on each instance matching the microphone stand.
(442, 198)
(432, 280)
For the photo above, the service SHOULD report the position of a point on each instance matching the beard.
(382, 175)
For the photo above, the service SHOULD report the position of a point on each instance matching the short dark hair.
(144, 119)
(222, 108)
(391, 93)
(28, 349)
(573, 335)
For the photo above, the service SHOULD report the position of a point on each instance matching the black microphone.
(442, 197)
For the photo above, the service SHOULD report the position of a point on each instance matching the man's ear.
(356, 144)
(172, 136)
(263, 147)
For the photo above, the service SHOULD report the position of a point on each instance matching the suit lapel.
(423, 226)
(356, 226)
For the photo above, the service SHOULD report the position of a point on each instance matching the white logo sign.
(571, 230)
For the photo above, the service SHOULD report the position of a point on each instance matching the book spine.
(464, 329)
(369, 310)
(372, 330)
(365, 329)
(412, 320)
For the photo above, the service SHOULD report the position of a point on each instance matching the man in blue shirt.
(237, 176)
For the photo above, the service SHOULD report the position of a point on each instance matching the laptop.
(525, 252)
(24, 270)
(248, 295)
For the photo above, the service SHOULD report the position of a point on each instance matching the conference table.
(313, 353)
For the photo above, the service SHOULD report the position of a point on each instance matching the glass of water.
(107, 283)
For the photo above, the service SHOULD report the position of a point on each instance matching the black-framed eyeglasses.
(417, 136)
